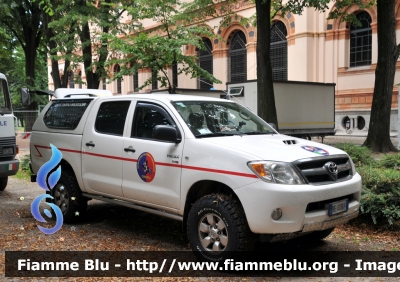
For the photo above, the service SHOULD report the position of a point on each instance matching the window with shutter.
(361, 41)
(206, 63)
(278, 51)
(238, 58)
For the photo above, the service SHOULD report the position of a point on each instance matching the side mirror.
(272, 125)
(166, 133)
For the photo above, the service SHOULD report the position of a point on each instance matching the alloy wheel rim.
(61, 197)
(213, 233)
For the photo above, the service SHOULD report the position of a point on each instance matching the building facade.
(305, 47)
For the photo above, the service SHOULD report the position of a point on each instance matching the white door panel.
(151, 168)
(102, 148)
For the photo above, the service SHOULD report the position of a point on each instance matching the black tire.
(318, 235)
(217, 228)
(68, 197)
(3, 182)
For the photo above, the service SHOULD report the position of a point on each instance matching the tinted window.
(65, 114)
(111, 117)
(147, 116)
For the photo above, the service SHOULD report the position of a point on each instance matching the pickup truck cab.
(211, 163)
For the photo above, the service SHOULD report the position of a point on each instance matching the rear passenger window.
(111, 117)
(65, 114)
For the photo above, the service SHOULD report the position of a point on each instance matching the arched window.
(119, 80)
(361, 41)
(278, 51)
(238, 58)
(71, 80)
(206, 63)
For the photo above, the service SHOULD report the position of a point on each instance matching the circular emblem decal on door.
(146, 167)
(316, 150)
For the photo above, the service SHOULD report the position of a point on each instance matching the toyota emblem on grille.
(332, 169)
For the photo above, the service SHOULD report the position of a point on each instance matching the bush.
(359, 154)
(380, 196)
(390, 161)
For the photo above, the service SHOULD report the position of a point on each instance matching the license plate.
(8, 151)
(338, 207)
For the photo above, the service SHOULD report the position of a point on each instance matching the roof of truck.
(158, 97)
(61, 93)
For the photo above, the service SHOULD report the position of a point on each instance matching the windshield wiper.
(257, 133)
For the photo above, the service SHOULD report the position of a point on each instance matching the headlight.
(276, 172)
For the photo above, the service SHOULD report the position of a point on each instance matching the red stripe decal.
(157, 163)
(220, 171)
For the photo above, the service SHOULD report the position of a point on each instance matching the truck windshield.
(5, 105)
(214, 118)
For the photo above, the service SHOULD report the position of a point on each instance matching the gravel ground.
(116, 228)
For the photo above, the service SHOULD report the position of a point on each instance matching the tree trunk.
(378, 138)
(91, 77)
(55, 72)
(265, 89)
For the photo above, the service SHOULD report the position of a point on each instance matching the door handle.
(90, 144)
(129, 150)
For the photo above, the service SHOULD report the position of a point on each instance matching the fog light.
(276, 214)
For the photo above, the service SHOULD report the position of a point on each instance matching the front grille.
(7, 142)
(317, 171)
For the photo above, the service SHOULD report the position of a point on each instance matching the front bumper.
(260, 199)
(8, 168)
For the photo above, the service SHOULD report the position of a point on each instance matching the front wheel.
(3, 182)
(217, 225)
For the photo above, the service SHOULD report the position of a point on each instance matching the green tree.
(176, 25)
(86, 41)
(23, 19)
(23, 22)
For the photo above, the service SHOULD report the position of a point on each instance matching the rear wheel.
(3, 182)
(68, 197)
(217, 225)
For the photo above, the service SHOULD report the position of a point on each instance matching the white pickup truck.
(211, 163)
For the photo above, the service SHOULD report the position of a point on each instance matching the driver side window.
(147, 116)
